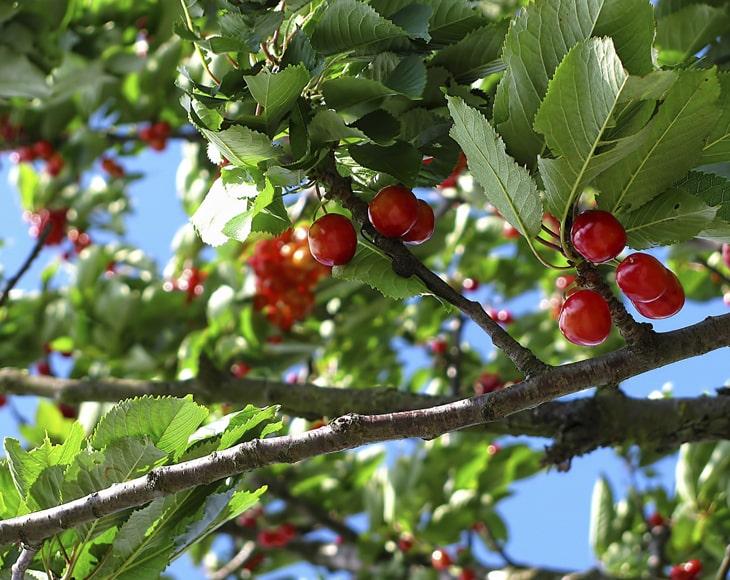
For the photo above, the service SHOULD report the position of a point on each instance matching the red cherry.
(3, 400)
(240, 369)
(564, 281)
(393, 211)
(440, 559)
(470, 285)
(25, 154)
(157, 143)
(43, 149)
(146, 133)
(598, 236)
(488, 383)
(405, 542)
(642, 277)
(254, 561)
(68, 411)
(161, 129)
(585, 318)
(332, 240)
(510, 232)
(668, 304)
(422, 230)
(438, 346)
(44, 368)
(726, 254)
(112, 167)
(55, 164)
(493, 449)
(686, 571)
(467, 574)
(656, 519)
(452, 179)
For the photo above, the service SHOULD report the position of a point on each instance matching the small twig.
(23, 562)
(637, 335)
(235, 563)
(454, 370)
(28, 261)
(495, 547)
(191, 27)
(724, 568)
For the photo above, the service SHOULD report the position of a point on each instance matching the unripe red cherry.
(598, 236)
(642, 277)
(393, 211)
(668, 304)
(422, 230)
(585, 318)
(332, 240)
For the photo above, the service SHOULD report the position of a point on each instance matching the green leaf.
(602, 516)
(452, 20)
(579, 106)
(348, 25)
(672, 217)
(714, 190)
(717, 148)
(355, 97)
(167, 421)
(671, 143)
(408, 77)
(475, 56)
(19, 77)
(277, 93)
(327, 126)
(247, 30)
(244, 421)
(122, 460)
(630, 23)
(138, 551)
(212, 217)
(509, 187)
(688, 30)
(242, 146)
(375, 269)
(380, 126)
(537, 41)
(27, 466)
(414, 20)
(401, 160)
(218, 509)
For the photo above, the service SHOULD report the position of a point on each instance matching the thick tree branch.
(354, 430)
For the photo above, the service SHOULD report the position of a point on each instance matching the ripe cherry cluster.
(56, 219)
(686, 571)
(286, 276)
(395, 212)
(190, 281)
(654, 290)
(156, 135)
(44, 151)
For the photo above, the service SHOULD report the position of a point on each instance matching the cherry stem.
(550, 232)
(549, 244)
(637, 335)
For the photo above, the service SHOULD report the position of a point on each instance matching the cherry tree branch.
(21, 565)
(354, 430)
(406, 264)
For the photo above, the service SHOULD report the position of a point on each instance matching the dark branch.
(35, 252)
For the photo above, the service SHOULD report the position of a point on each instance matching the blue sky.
(548, 516)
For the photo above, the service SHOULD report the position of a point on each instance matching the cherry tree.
(370, 185)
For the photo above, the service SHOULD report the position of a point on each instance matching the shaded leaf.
(672, 217)
(670, 144)
(688, 30)
(401, 160)
(717, 147)
(602, 516)
(349, 25)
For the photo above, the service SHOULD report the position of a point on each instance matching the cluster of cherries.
(655, 291)
(190, 281)
(156, 135)
(690, 570)
(286, 274)
(44, 151)
(394, 212)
